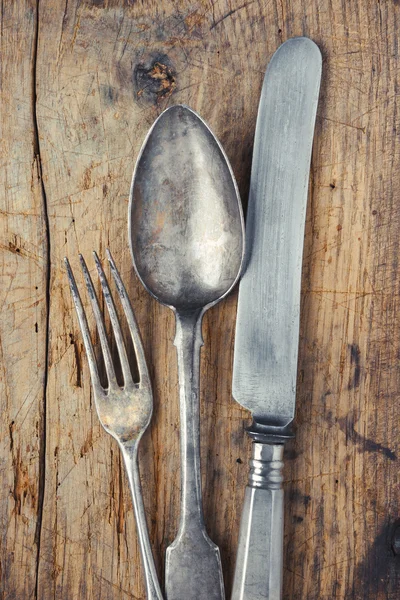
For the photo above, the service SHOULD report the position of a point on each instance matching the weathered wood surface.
(81, 82)
(23, 321)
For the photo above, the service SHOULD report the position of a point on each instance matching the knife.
(267, 326)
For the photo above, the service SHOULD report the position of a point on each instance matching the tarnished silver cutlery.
(267, 326)
(186, 234)
(124, 411)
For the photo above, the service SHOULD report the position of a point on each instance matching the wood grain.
(81, 83)
(23, 321)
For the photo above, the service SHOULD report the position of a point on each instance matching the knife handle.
(259, 560)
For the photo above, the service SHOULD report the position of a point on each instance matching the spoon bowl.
(186, 228)
(187, 240)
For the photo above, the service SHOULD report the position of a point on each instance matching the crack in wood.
(42, 426)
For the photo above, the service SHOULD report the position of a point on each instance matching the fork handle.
(130, 454)
(259, 560)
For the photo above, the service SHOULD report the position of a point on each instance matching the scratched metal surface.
(268, 316)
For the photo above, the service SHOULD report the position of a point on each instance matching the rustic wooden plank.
(105, 71)
(345, 476)
(23, 280)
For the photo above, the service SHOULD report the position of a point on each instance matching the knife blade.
(267, 326)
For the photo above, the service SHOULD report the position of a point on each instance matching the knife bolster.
(267, 434)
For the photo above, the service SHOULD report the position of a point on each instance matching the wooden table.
(81, 82)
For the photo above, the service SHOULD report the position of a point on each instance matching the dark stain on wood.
(355, 362)
(379, 566)
(395, 538)
(290, 451)
(319, 544)
(109, 94)
(296, 495)
(347, 425)
(297, 519)
(13, 248)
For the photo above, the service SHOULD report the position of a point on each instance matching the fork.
(124, 411)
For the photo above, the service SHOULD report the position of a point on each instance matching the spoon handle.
(193, 565)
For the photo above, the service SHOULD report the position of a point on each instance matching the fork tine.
(132, 324)
(112, 380)
(126, 370)
(80, 311)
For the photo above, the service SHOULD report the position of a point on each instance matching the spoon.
(187, 240)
